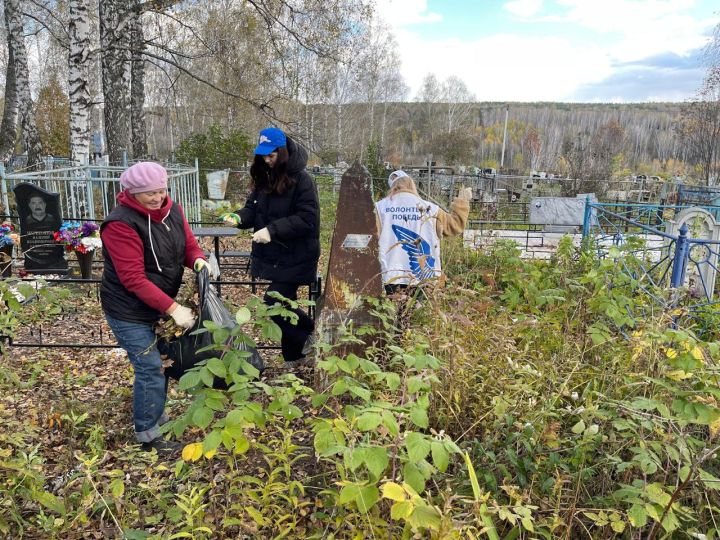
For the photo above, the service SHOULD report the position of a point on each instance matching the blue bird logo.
(422, 265)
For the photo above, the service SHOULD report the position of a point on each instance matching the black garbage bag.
(186, 350)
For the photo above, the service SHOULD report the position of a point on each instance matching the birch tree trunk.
(26, 112)
(137, 89)
(78, 73)
(115, 64)
(339, 131)
(8, 128)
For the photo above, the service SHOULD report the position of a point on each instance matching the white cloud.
(399, 13)
(505, 67)
(524, 8)
(553, 66)
(640, 29)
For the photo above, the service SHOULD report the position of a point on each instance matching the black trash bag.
(183, 350)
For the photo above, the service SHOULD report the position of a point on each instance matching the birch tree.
(78, 74)
(210, 71)
(137, 88)
(338, 82)
(115, 63)
(8, 127)
(375, 66)
(458, 100)
(701, 117)
(430, 96)
(393, 90)
(700, 129)
(26, 113)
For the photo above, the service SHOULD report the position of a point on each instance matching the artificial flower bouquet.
(8, 236)
(80, 237)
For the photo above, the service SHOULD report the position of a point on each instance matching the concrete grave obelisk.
(354, 266)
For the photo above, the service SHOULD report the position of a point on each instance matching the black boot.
(162, 446)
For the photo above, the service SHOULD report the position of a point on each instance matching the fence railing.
(661, 259)
(94, 332)
(89, 191)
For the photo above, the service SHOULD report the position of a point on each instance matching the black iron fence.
(82, 325)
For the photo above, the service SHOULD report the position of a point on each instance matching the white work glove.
(262, 236)
(231, 220)
(183, 317)
(465, 194)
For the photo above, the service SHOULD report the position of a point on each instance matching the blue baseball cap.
(270, 139)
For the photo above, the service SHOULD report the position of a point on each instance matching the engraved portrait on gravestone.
(39, 218)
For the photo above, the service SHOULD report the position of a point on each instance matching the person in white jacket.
(410, 229)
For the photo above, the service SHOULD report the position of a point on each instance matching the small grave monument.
(217, 182)
(701, 273)
(557, 214)
(39, 218)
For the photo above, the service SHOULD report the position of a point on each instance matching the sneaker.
(300, 362)
(162, 446)
(309, 347)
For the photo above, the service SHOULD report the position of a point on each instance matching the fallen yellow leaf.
(678, 375)
(192, 452)
(714, 429)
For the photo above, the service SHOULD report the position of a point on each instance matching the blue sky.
(556, 50)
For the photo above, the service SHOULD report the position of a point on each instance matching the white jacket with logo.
(410, 230)
(409, 243)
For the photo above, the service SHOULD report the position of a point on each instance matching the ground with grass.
(518, 399)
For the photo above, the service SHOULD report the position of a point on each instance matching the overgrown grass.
(522, 399)
(594, 422)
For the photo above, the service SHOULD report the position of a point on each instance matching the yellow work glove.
(231, 220)
(200, 264)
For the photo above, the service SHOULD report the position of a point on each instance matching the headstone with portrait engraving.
(39, 219)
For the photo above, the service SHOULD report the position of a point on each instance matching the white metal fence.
(89, 191)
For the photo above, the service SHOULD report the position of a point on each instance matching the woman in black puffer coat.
(283, 210)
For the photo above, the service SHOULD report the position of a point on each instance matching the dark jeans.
(293, 335)
(150, 385)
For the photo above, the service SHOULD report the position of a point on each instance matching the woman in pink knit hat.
(147, 243)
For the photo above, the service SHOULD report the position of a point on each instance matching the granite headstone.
(39, 218)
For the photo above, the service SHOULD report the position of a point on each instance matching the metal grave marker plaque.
(356, 241)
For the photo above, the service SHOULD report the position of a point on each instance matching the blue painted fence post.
(680, 259)
(586, 219)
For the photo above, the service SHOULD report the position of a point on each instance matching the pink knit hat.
(144, 176)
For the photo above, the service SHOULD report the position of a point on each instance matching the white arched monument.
(701, 269)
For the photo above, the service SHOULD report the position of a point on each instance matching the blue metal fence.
(661, 258)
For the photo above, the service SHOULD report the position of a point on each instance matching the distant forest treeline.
(552, 137)
(207, 76)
